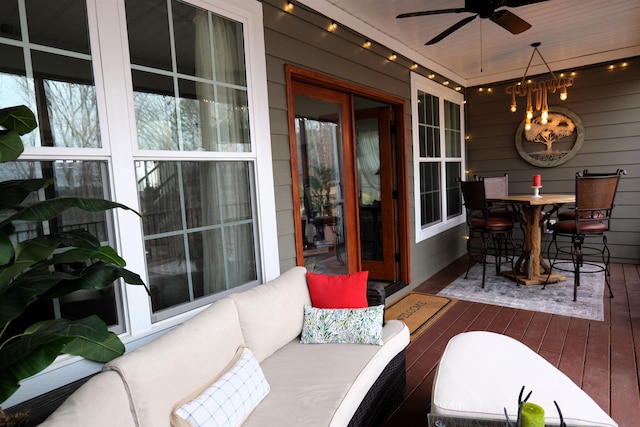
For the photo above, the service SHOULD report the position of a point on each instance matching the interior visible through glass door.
(321, 185)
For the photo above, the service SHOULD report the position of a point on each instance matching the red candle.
(537, 181)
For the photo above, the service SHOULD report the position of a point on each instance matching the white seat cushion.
(481, 373)
(322, 385)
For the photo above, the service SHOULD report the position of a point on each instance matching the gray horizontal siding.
(300, 39)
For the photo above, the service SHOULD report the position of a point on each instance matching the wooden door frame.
(294, 73)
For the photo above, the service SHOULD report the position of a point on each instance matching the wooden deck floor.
(603, 358)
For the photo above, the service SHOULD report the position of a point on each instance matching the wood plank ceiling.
(573, 33)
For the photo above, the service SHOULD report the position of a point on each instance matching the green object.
(532, 415)
(45, 267)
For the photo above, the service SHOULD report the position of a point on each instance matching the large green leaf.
(104, 253)
(6, 249)
(11, 146)
(41, 343)
(14, 121)
(27, 254)
(19, 118)
(35, 253)
(15, 191)
(25, 289)
(49, 209)
(99, 351)
(94, 277)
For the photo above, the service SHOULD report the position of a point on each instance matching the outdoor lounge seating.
(481, 373)
(308, 384)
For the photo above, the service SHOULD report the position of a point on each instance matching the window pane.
(49, 26)
(199, 236)
(453, 132)
(454, 199)
(10, 20)
(61, 82)
(430, 208)
(428, 125)
(148, 26)
(208, 81)
(154, 102)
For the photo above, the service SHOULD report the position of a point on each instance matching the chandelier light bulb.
(544, 117)
(514, 108)
(529, 115)
(563, 94)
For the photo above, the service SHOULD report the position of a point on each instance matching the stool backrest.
(475, 201)
(495, 186)
(595, 195)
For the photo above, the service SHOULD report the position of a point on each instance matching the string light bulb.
(393, 56)
(289, 7)
(367, 44)
(333, 26)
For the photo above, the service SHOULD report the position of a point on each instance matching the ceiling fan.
(484, 9)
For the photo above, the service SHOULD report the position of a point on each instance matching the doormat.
(556, 298)
(418, 311)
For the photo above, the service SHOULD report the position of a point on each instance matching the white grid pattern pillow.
(228, 401)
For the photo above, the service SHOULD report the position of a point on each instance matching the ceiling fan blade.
(518, 3)
(510, 22)
(451, 29)
(431, 12)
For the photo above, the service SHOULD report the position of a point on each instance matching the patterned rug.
(556, 298)
(418, 311)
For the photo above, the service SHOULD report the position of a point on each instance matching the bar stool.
(589, 219)
(496, 229)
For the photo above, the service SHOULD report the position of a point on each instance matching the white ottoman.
(481, 373)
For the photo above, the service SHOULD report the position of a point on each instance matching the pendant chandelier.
(539, 89)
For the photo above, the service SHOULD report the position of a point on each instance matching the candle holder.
(536, 191)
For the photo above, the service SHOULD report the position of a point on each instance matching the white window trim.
(421, 83)
(114, 92)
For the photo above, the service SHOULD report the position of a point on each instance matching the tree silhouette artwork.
(558, 126)
(562, 136)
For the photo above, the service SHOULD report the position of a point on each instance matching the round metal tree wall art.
(553, 143)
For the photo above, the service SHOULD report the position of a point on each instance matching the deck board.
(601, 357)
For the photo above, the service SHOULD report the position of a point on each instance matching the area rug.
(418, 311)
(556, 298)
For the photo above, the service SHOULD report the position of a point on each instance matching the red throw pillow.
(345, 291)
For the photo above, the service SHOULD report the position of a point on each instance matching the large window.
(190, 95)
(160, 105)
(438, 146)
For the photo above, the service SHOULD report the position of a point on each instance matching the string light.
(367, 44)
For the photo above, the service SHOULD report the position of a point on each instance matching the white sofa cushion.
(481, 373)
(100, 402)
(229, 400)
(271, 314)
(159, 374)
(323, 385)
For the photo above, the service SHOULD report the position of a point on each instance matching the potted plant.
(46, 267)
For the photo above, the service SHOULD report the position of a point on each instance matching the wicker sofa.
(310, 384)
